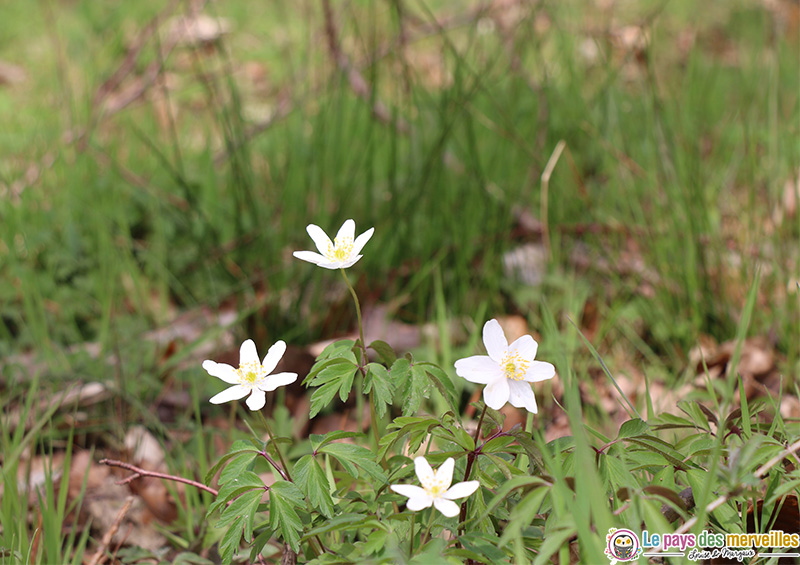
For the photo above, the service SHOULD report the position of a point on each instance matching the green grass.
(676, 159)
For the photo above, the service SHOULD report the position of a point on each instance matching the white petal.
(521, 395)
(446, 507)
(411, 491)
(444, 474)
(539, 371)
(460, 490)
(274, 355)
(525, 347)
(248, 353)
(321, 239)
(478, 369)
(274, 381)
(311, 257)
(348, 263)
(233, 393)
(424, 472)
(494, 340)
(495, 395)
(419, 502)
(362, 240)
(222, 371)
(257, 400)
(347, 231)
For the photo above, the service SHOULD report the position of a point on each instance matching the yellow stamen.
(514, 366)
(341, 249)
(248, 373)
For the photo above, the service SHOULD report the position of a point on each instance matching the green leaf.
(230, 540)
(320, 366)
(417, 428)
(339, 348)
(310, 477)
(236, 467)
(483, 545)
(350, 455)
(337, 376)
(497, 444)
(387, 354)
(410, 382)
(443, 384)
(318, 440)
(382, 386)
(239, 447)
(235, 487)
(632, 428)
(244, 506)
(375, 542)
(282, 515)
(289, 492)
(657, 445)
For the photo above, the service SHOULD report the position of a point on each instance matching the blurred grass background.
(148, 170)
(144, 174)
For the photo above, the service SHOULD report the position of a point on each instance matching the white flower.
(435, 488)
(252, 377)
(340, 253)
(507, 371)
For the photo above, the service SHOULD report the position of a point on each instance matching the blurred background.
(630, 166)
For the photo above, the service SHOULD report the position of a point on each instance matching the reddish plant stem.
(139, 472)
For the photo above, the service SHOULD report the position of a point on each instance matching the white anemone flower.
(340, 253)
(435, 488)
(252, 377)
(507, 371)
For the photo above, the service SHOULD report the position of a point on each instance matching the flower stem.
(358, 314)
(471, 456)
(425, 537)
(285, 472)
(411, 537)
(363, 367)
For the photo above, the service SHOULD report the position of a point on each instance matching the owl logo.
(623, 545)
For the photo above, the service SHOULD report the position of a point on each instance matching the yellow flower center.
(248, 374)
(435, 489)
(341, 249)
(514, 366)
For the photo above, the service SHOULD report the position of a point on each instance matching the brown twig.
(99, 556)
(138, 473)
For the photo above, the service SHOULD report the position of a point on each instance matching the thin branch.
(139, 473)
(100, 555)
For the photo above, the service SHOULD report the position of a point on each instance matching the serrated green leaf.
(230, 540)
(484, 546)
(381, 385)
(283, 517)
(656, 445)
(318, 440)
(336, 377)
(339, 348)
(310, 478)
(443, 384)
(384, 350)
(289, 492)
(349, 455)
(236, 467)
(497, 444)
(237, 448)
(375, 542)
(244, 506)
(632, 428)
